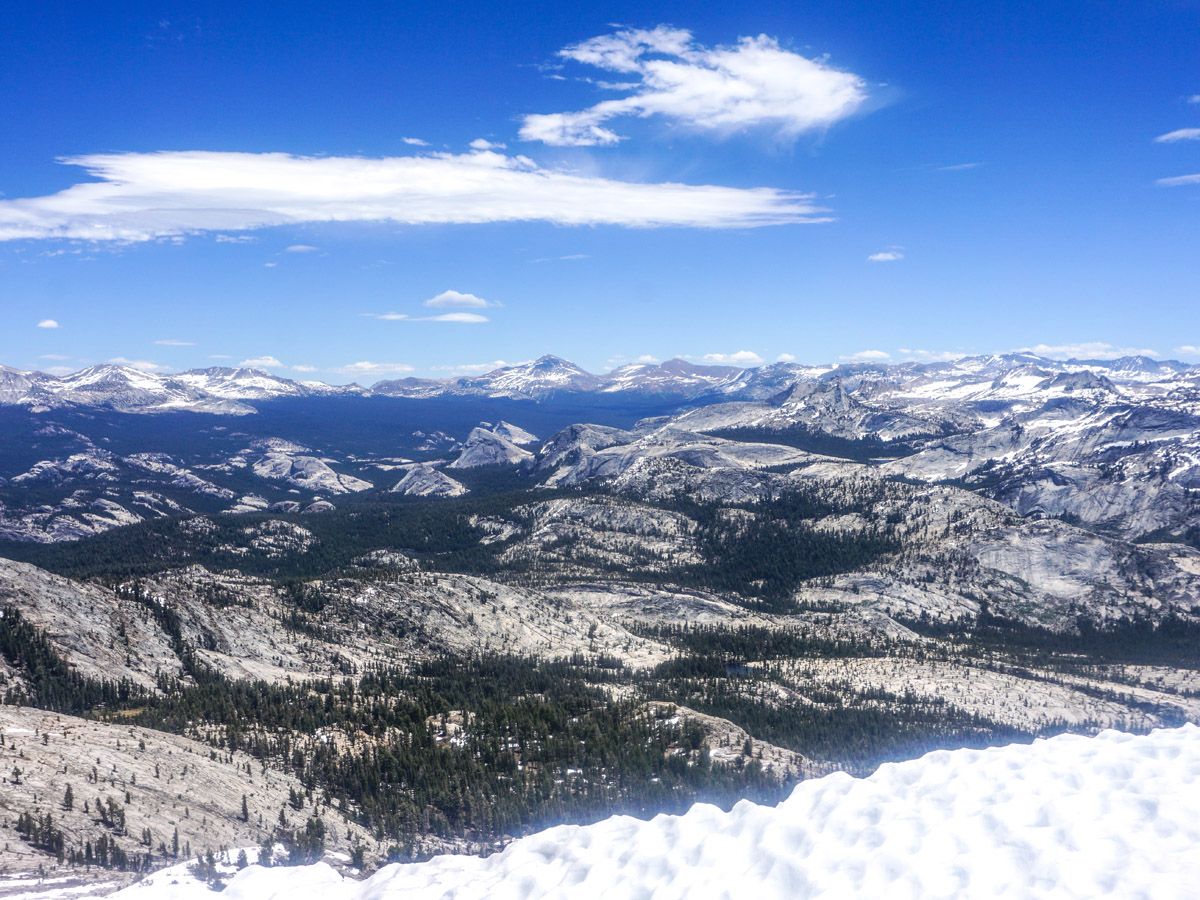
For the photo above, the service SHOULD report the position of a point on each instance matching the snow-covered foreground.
(1114, 815)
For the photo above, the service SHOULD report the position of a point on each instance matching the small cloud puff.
(461, 318)
(742, 358)
(261, 362)
(886, 256)
(142, 365)
(48, 323)
(867, 356)
(366, 367)
(458, 298)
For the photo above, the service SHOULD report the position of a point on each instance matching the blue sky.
(816, 181)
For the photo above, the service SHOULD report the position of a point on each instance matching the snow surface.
(1115, 815)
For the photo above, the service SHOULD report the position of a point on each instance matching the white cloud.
(145, 196)
(219, 356)
(930, 355)
(48, 323)
(171, 342)
(54, 357)
(142, 365)
(375, 368)
(1195, 98)
(235, 238)
(742, 358)
(468, 318)
(867, 356)
(886, 256)
(458, 298)
(754, 83)
(304, 368)
(1179, 134)
(786, 358)
(570, 257)
(461, 318)
(483, 144)
(1179, 180)
(959, 167)
(1085, 350)
(58, 370)
(476, 368)
(301, 248)
(261, 362)
(270, 265)
(647, 359)
(414, 142)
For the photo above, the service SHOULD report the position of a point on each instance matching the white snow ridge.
(1115, 815)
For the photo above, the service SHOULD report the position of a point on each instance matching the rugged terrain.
(457, 611)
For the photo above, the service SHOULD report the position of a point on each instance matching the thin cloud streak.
(170, 194)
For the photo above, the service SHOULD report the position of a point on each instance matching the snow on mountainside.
(255, 384)
(1112, 815)
(232, 390)
(1111, 444)
(675, 377)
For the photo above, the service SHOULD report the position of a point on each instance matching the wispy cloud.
(884, 256)
(48, 323)
(867, 356)
(959, 167)
(915, 355)
(460, 318)
(366, 367)
(1085, 350)
(145, 196)
(481, 368)
(304, 368)
(742, 358)
(171, 342)
(235, 239)
(1179, 180)
(261, 362)
(54, 357)
(786, 358)
(1179, 134)
(458, 299)
(754, 83)
(568, 257)
(301, 248)
(414, 142)
(1188, 350)
(142, 365)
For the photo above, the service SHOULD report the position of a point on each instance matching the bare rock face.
(178, 791)
(308, 473)
(99, 634)
(514, 433)
(486, 448)
(424, 480)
